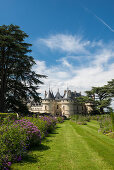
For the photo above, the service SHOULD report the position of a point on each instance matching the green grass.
(72, 147)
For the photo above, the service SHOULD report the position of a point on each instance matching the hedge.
(7, 115)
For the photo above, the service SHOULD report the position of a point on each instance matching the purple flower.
(19, 158)
(9, 163)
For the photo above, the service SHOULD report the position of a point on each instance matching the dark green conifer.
(17, 79)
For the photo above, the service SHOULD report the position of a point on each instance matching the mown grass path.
(72, 147)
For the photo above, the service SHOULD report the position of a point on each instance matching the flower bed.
(13, 144)
(18, 136)
(45, 124)
(33, 133)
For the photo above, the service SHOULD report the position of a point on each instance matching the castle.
(65, 105)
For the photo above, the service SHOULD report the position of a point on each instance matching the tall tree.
(101, 96)
(110, 87)
(17, 79)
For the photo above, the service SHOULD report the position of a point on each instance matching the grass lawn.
(72, 147)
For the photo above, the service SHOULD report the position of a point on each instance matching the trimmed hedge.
(10, 116)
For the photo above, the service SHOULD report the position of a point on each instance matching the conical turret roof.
(67, 95)
(49, 95)
(58, 96)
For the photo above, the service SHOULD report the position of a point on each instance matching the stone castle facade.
(65, 105)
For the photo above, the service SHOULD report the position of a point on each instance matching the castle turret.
(48, 102)
(58, 96)
(49, 95)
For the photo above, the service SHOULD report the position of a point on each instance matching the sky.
(72, 40)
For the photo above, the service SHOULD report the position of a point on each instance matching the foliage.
(13, 144)
(84, 99)
(81, 120)
(17, 136)
(33, 133)
(112, 120)
(51, 122)
(15, 140)
(45, 124)
(75, 117)
(72, 147)
(102, 96)
(105, 123)
(110, 88)
(40, 123)
(18, 81)
(7, 117)
(99, 97)
(60, 119)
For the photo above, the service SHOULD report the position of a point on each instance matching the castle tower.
(67, 104)
(48, 102)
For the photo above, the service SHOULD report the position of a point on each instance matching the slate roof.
(67, 95)
(49, 95)
(58, 96)
(70, 95)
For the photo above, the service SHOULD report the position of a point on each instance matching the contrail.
(101, 20)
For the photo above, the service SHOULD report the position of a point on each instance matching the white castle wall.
(62, 107)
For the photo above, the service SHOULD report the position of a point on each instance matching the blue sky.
(73, 40)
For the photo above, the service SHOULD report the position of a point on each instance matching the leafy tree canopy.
(102, 96)
(99, 97)
(18, 81)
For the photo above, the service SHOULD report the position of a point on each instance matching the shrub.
(80, 120)
(40, 123)
(87, 118)
(105, 123)
(45, 124)
(60, 119)
(112, 119)
(13, 144)
(50, 122)
(75, 117)
(33, 133)
(18, 135)
(7, 117)
(95, 117)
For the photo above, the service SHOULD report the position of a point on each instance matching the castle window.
(57, 106)
(45, 107)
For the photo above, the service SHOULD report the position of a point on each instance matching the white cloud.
(66, 43)
(79, 80)
(65, 62)
(65, 74)
(103, 56)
